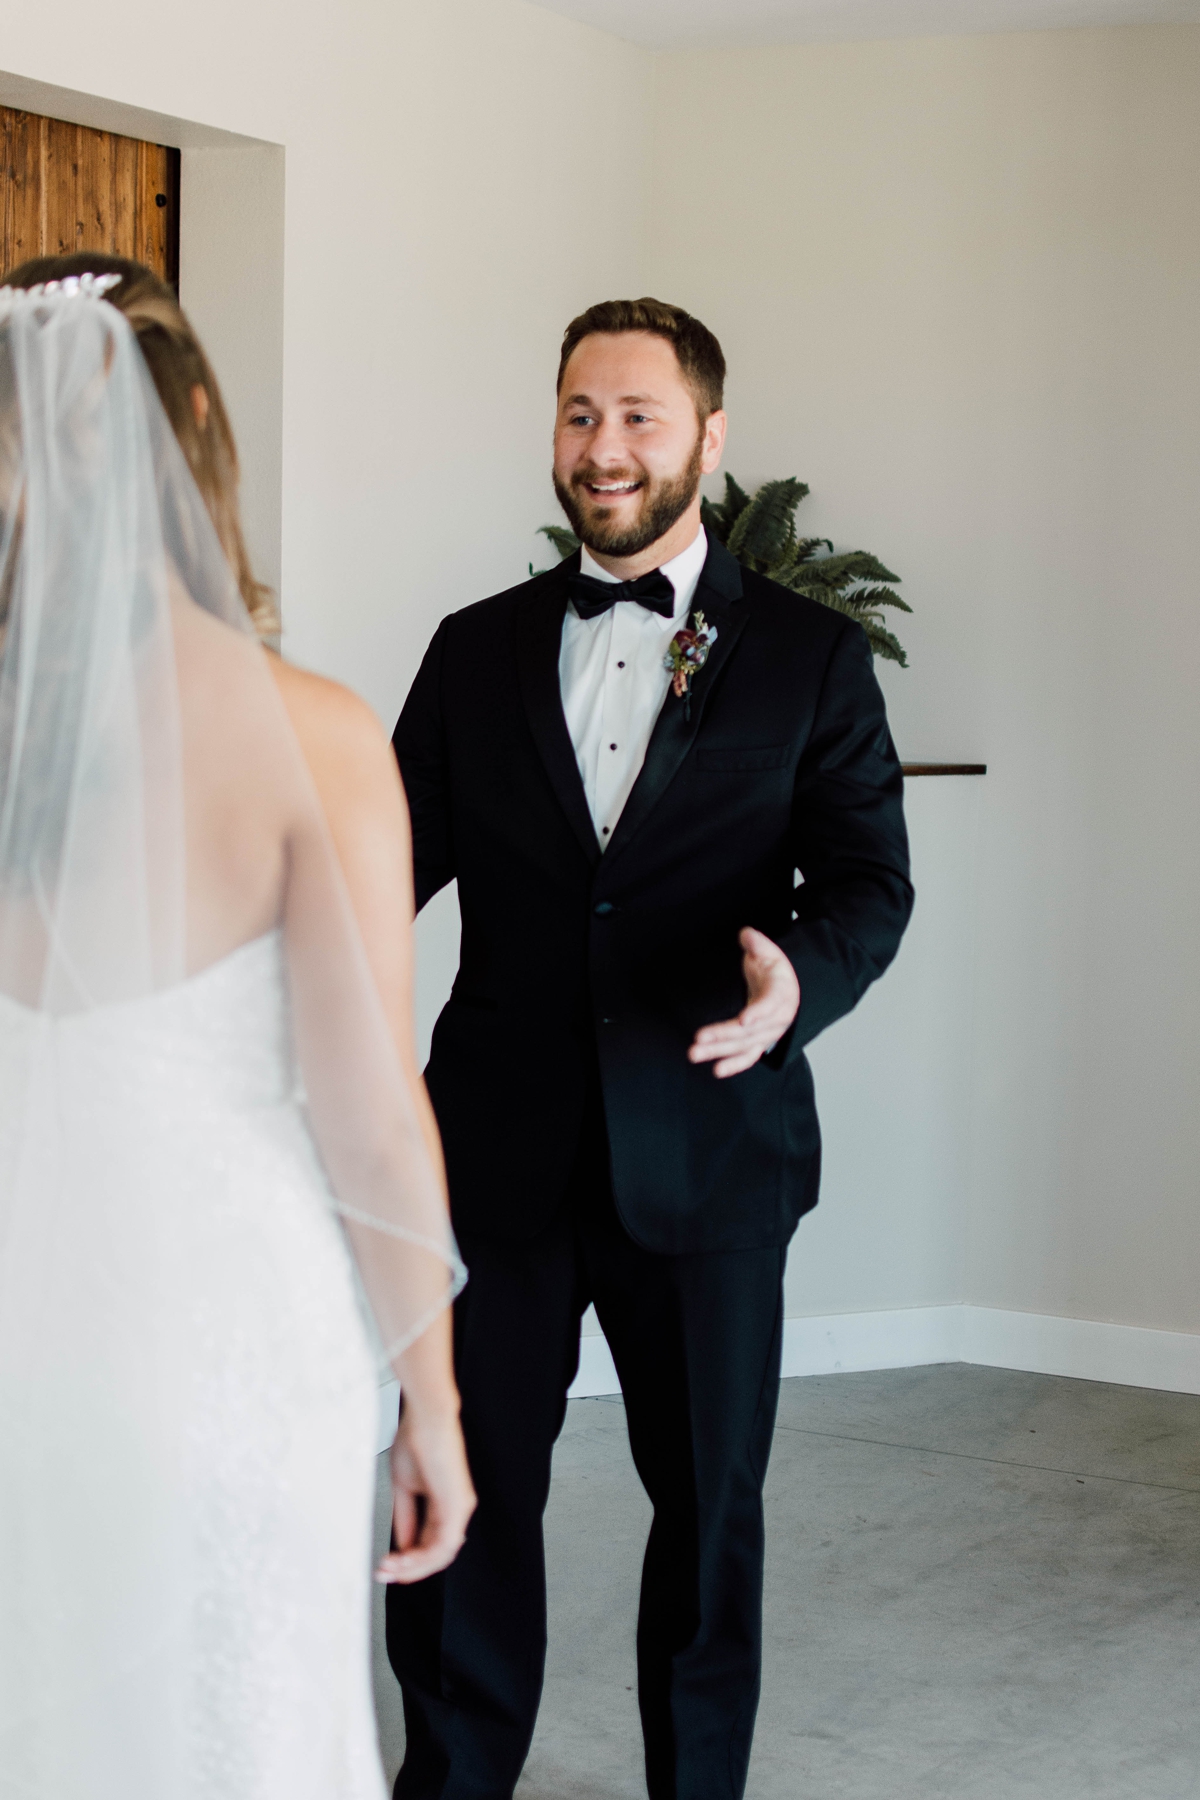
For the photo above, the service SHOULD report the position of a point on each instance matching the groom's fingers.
(731, 1036)
(733, 1057)
(733, 1047)
(730, 1041)
(760, 1018)
(735, 1065)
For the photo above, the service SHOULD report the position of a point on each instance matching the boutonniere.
(687, 653)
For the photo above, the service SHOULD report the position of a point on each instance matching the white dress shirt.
(613, 679)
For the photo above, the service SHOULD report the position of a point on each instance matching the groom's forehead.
(618, 383)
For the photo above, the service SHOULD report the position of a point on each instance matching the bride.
(221, 1204)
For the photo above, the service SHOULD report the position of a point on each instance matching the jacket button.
(605, 906)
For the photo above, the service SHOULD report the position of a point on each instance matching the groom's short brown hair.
(701, 359)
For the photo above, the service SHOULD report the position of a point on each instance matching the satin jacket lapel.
(719, 598)
(539, 640)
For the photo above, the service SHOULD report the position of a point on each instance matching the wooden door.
(67, 187)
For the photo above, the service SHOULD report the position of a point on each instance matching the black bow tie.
(592, 597)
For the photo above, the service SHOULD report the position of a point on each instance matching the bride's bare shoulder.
(342, 738)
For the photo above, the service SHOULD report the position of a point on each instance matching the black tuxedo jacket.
(570, 956)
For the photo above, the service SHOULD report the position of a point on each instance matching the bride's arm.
(358, 785)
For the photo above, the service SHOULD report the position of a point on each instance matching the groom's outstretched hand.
(774, 1001)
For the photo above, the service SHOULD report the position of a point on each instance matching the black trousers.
(697, 1342)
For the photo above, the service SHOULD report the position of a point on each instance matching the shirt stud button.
(620, 665)
(612, 746)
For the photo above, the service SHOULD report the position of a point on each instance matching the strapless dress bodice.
(217, 1042)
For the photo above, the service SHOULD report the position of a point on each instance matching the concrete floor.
(980, 1584)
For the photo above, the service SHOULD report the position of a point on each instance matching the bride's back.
(242, 788)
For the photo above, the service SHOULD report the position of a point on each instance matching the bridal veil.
(143, 742)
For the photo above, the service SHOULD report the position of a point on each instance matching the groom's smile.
(611, 490)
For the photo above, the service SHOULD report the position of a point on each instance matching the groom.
(619, 1074)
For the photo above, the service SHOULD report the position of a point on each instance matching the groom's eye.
(639, 419)
(581, 419)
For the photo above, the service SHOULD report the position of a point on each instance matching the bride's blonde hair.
(177, 364)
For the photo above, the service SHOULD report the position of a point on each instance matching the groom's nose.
(608, 447)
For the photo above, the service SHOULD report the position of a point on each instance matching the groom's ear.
(714, 442)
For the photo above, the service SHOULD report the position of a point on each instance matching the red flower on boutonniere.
(688, 652)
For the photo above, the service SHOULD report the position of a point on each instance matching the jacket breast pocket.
(753, 759)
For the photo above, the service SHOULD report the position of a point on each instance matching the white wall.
(895, 1088)
(959, 285)
(231, 280)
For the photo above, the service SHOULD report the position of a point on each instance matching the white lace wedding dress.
(203, 1631)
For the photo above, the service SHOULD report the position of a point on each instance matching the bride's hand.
(432, 1497)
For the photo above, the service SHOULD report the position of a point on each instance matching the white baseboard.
(597, 1372)
(899, 1339)
(1129, 1355)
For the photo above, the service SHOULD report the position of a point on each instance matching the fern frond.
(851, 565)
(713, 519)
(884, 644)
(736, 499)
(564, 541)
(879, 596)
(761, 528)
(806, 548)
(836, 602)
(811, 577)
(718, 516)
(798, 577)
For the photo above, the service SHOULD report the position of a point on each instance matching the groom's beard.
(663, 501)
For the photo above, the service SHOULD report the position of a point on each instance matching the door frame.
(231, 276)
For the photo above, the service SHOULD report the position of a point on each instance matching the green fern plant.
(760, 530)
